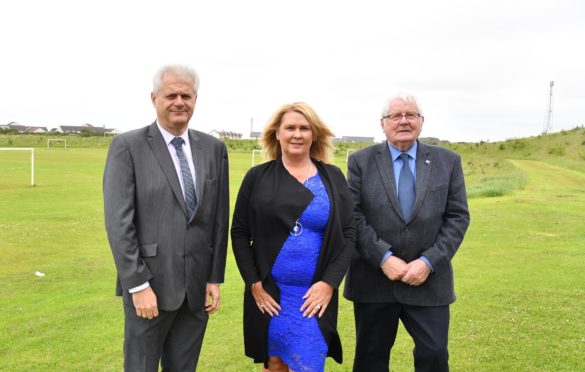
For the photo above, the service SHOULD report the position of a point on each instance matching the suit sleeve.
(220, 234)
(119, 210)
(455, 221)
(369, 245)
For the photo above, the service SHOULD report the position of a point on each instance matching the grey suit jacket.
(435, 229)
(151, 237)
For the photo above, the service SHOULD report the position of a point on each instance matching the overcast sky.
(480, 69)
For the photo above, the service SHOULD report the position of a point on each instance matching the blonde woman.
(293, 236)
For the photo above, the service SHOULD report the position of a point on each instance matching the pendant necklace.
(297, 228)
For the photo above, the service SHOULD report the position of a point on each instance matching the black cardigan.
(269, 202)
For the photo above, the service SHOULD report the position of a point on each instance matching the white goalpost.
(254, 156)
(49, 140)
(32, 159)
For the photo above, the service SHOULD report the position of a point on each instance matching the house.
(223, 135)
(16, 127)
(36, 130)
(354, 139)
(74, 129)
(86, 129)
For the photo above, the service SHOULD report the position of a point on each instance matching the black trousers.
(376, 327)
(173, 338)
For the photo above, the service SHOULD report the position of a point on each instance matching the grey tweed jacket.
(435, 229)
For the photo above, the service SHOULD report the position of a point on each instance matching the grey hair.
(183, 71)
(405, 97)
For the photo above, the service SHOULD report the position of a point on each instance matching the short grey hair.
(183, 71)
(405, 97)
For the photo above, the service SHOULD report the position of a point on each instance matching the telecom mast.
(549, 114)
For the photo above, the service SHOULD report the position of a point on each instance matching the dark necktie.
(190, 198)
(406, 191)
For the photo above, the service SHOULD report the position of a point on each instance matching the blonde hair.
(321, 147)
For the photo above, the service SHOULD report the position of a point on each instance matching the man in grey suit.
(166, 202)
(411, 212)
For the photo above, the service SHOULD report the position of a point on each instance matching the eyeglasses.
(398, 116)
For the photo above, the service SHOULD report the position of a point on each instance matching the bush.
(557, 150)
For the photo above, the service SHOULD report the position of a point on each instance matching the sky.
(481, 70)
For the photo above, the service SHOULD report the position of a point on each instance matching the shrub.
(557, 150)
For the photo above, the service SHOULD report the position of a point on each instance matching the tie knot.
(405, 157)
(178, 143)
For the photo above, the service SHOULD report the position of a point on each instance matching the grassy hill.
(490, 171)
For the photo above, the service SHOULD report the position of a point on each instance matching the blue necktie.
(190, 198)
(406, 191)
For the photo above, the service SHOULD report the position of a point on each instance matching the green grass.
(491, 177)
(519, 274)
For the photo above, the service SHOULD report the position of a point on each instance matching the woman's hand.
(264, 301)
(317, 299)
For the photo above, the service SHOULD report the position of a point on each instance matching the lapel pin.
(428, 161)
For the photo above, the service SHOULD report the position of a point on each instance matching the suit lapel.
(161, 152)
(386, 170)
(423, 173)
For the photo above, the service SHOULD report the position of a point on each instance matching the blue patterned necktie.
(406, 191)
(190, 198)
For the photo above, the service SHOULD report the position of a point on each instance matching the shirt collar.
(396, 153)
(168, 136)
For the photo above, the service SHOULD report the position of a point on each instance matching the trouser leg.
(429, 328)
(144, 340)
(376, 326)
(184, 339)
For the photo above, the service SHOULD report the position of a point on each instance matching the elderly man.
(166, 200)
(411, 212)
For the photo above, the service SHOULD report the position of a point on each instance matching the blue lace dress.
(296, 340)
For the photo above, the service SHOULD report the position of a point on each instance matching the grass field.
(520, 275)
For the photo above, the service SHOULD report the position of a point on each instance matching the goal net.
(52, 140)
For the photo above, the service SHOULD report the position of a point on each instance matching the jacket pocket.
(148, 250)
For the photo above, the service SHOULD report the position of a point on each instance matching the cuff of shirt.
(386, 256)
(428, 263)
(139, 288)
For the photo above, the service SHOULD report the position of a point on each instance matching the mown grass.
(519, 274)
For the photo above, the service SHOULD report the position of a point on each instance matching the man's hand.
(212, 298)
(394, 268)
(145, 303)
(417, 273)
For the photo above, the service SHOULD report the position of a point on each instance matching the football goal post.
(254, 156)
(32, 159)
(49, 140)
